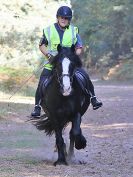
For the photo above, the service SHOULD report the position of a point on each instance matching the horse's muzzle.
(67, 91)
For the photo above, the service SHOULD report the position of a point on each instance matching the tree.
(106, 26)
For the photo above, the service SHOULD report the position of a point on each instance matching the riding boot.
(95, 103)
(90, 89)
(37, 111)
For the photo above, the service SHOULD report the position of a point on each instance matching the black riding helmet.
(64, 11)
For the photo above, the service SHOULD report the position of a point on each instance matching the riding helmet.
(64, 11)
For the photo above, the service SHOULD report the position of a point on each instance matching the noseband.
(59, 78)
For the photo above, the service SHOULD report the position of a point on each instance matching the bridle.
(60, 78)
(65, 64)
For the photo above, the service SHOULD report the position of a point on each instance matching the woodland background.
(106, 28)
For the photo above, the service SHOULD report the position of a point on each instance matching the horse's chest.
(65, 108)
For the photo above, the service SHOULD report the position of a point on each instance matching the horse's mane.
(69, 53)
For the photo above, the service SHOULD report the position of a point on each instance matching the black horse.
(65, 100)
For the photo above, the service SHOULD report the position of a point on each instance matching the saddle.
(82, 81)
(45, 83)
(78, 75)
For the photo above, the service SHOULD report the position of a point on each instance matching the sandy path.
(26, 152)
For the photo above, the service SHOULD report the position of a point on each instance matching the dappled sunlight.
(14, 117)
(108, 127)
(116, 126)
(34, 175)
(16, 99)
(23, 150)
(105, 131)
(106, 33)
(112, 71)
(111, 86)
(17, 109)
(101, 135)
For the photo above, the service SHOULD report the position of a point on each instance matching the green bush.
(123, 71)
(16, 80)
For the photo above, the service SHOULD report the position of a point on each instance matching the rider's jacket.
(53, 38)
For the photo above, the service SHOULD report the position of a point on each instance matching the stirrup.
(95, 103)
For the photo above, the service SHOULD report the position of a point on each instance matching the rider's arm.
(43, 49)
(78, 45)
(43, 46)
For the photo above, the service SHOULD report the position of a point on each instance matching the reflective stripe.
(48, 66)
(72, 27)
(69, 38)
(49, 40)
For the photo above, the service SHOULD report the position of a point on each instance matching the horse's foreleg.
(61, 148)
(71, 156)
(80, 141)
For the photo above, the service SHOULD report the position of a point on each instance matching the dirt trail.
(26, 152)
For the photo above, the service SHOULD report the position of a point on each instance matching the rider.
(65, 34)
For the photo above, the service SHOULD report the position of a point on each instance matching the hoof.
(80, 142)
(71, 158)
(60, 162)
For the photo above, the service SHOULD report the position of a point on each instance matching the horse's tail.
(45, 125)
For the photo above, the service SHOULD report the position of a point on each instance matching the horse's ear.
(59, 47)
(73, 48)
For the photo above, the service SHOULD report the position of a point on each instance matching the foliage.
(104, 25)
(21, 28)
(122, 71)
(12, 79)
(106, 29)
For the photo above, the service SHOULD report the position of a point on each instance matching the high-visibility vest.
(69, 38)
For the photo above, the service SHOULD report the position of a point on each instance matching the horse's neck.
(55, 82)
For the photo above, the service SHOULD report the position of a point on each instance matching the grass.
(15, 72)
(15, 79)
(3, 112)
(20, 144)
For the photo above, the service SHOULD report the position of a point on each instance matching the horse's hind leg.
(61, 147)
(80, 141)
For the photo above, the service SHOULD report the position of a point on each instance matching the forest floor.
(26, 152)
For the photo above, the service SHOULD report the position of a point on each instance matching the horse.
(64, 100)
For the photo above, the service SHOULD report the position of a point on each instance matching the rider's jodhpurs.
(45, 73)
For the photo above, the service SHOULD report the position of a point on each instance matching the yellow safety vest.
(69, 38)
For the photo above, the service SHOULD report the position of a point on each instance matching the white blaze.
(66, 79)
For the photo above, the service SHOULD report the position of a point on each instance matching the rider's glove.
(50, 57)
